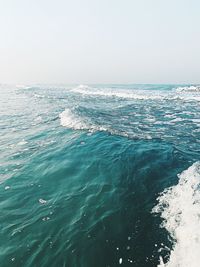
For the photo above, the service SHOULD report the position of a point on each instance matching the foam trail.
(179, 206)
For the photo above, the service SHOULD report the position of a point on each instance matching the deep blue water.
(89, 176)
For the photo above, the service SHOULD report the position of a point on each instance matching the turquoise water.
(89, 175)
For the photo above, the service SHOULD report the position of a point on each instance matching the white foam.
(190, 93)
(107, 92)
(179, 206)
(190, 98)
(72, 121)
(21, 143)
(81, 87)
(188, 89)
(177, 119)
(196, 120)
(42, 201)
(7, 187)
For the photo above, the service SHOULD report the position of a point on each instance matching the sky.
(99, 41)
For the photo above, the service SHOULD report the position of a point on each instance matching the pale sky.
(99, 41)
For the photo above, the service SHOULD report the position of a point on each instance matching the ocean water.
(100, 176)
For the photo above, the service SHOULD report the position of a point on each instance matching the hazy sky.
(99, 41)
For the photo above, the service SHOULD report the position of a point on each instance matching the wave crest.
(189, 93)
(119, 93)
(72, 121)
(188, 89)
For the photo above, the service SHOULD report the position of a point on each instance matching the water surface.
(89, 175)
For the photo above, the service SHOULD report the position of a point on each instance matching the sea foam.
(119, 93)
(70, 120)
(188, 89)
(181, 93)
(179, 206)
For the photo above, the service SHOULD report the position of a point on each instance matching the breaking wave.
(109, 92)
(179, 206)
(181, 93)
(188, 89)
(71, 120)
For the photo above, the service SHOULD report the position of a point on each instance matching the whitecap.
(179, 207)
(70, 120)
(191, 88)
(177, 119)
(7, 187)
(21, 143)
(42, 201)
(189, 93)
(108, 92)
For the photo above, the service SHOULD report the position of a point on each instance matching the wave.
(179, 206)
(188, 89)
(141, 94)
(71, 120)
(119, 93)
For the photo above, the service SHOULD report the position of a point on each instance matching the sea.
(100, 175)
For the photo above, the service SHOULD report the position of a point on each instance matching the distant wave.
(180, 208)
(125, 93)
(140, 94)
(188, 93)
(22, 86)
(188, 89)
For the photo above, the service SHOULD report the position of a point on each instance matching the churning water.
(100, 176)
